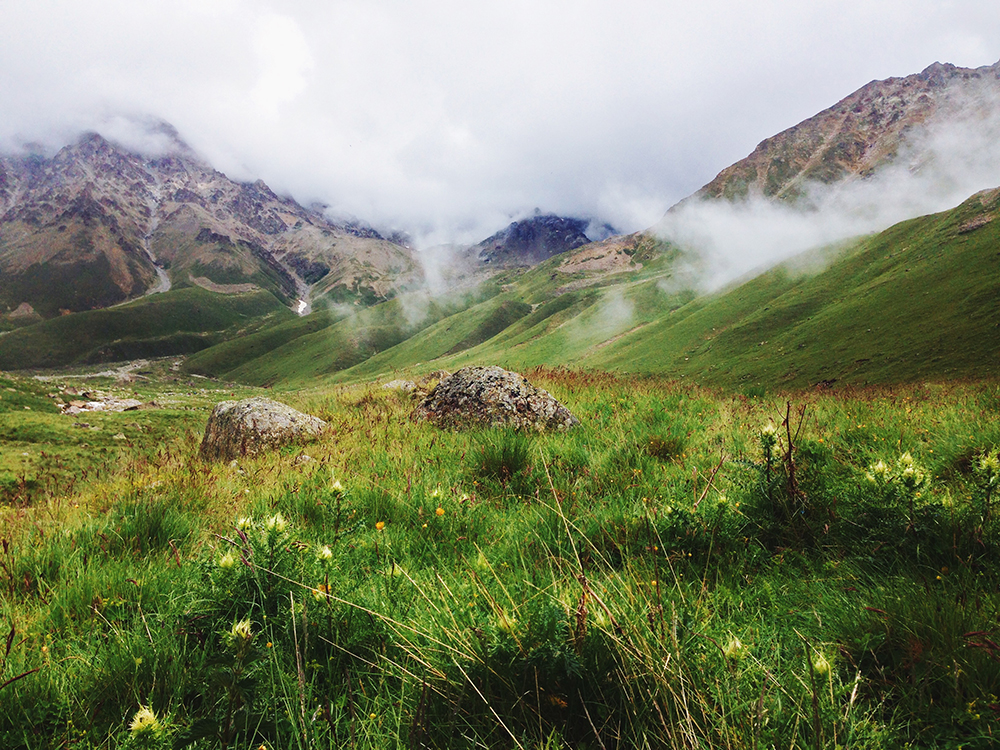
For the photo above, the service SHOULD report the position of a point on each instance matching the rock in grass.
(254, 426)
(492, 397)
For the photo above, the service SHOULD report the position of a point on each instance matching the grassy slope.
(229, 355)
(176, 322)
(354, 339)
(916, 301)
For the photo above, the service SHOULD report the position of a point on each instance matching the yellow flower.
(821, 665)
(734, 649)
(277, 523)
(145, 723)
(440, 511)
(228, 560)
(241, 631)
(371, 716)
(321, 592)
(325, 553)
(380, 525)
(244, 523)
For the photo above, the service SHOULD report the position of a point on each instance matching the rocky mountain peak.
(860, 135)
(532, 240)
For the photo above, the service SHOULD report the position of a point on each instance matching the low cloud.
(941, 165)
(444, 118)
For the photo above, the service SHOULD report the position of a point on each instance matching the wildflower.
(989, 467)
(277, 523)
(325, 553)
(440, 511)
(436, 493)
(228, 560)
(879, 472)
(734, 649)
(337, 487)
(241, 631)
(820, 664)
(321, 592)
(769, 430)
(371, 716)
(145, 724)
(244, 523)
(380, 525)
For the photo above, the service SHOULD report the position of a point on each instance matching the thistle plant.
(987, 470)
(147, 731)
(905, 478)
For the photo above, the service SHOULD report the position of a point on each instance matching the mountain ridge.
(97, 210)
(859, 135)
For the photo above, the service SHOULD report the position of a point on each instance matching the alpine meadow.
(762, 510)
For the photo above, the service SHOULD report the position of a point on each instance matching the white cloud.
(449, 117)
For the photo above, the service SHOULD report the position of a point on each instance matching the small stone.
(407, 386)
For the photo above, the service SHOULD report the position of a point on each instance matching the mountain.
(876, 126)
(98, 224)
(530, 241)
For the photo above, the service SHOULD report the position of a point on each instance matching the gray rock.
(492, 397)
(254, 426)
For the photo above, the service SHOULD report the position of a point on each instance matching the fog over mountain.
(450, 120)
(892, 150)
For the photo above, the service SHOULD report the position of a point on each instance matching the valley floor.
(689, 568)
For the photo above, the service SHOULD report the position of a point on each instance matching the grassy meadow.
(688, 569)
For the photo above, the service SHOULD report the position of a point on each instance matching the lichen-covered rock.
(492, 397)
(254, 426)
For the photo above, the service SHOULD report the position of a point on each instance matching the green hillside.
(920, 300)
(344, 343)
(175, 322)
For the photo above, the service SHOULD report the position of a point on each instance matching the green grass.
(667, 575)
(916, 301)
(230, 355)
(172, 323)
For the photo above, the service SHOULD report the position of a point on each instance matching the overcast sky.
(448, 117)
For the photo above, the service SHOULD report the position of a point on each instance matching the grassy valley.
(721, 555)
(176, 322)
(916, 301)
(688, 568)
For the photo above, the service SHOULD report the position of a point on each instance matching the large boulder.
(254, 426)
(492, 397)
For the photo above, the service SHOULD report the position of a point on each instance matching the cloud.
(450, 117)
(941, 164)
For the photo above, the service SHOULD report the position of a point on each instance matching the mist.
(940, 165)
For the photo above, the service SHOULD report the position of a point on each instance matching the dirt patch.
(606, 257)
(206, 283)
